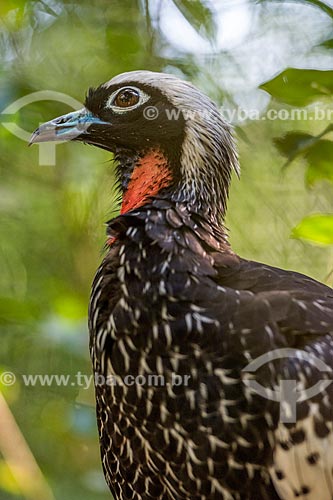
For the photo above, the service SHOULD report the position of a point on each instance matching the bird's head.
(168, 137)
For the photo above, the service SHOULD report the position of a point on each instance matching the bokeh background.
(251, 57)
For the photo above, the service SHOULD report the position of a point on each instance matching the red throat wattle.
(150, 175)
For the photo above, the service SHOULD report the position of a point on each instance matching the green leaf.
(299, 87)
(320, 162)
(317, 152)
(328, 44)
(315, 228)
(293, 143)
(199, 15)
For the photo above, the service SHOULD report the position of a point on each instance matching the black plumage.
(172, 299)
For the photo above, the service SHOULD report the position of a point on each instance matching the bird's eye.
(126, 98)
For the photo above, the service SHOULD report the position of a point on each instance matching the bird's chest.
(128, 309)
(165, 382)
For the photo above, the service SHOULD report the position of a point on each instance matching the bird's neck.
(143, 177)
(171, 227)
(152, 174)
(150, 197)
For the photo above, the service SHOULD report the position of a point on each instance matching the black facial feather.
(132, 130)
(96, 99)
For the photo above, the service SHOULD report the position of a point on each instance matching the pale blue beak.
(66, 127)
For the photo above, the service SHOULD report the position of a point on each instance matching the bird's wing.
(302, 311)
(301, 306)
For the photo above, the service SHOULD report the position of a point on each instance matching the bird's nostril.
(60, 120)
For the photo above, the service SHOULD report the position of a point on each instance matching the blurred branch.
(200, 15)
(48, 9)
(150, 31)
(323, 6)
(317, 3)
(20, 459)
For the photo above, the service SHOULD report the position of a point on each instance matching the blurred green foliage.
(317, 228)
(299, 87)
(52, 232)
